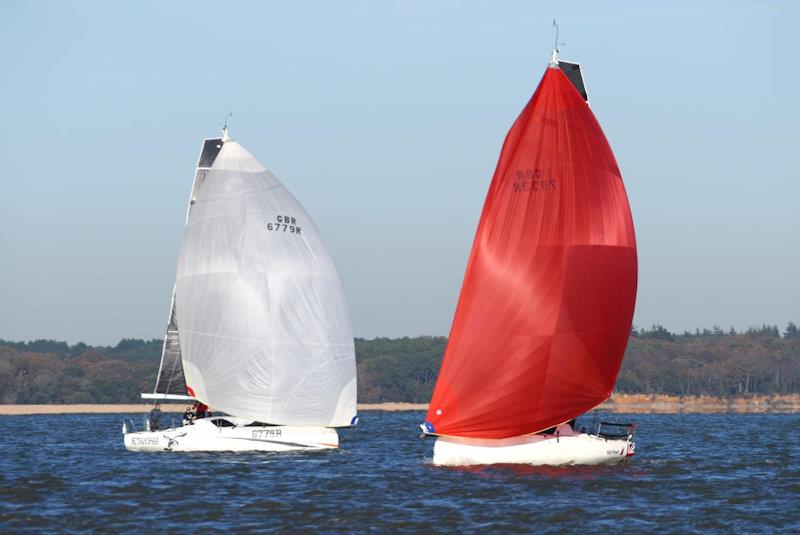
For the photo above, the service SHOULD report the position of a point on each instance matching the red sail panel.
(547, 301)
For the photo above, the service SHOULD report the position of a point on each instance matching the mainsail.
(264, 329)
(170, 381)
(547, 301)
(170, 373)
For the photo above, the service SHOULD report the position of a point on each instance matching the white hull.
(206, 435)
(532, 449)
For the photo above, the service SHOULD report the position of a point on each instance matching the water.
(718, 473)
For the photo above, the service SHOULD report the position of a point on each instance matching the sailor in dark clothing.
(188, 416)
(155, 418)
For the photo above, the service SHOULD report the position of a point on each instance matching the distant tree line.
(712, 361)
(47, 371)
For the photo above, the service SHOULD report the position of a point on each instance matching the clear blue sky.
(385, 119)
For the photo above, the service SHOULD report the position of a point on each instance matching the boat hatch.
(222, 422)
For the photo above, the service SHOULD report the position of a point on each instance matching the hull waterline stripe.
(295, 444)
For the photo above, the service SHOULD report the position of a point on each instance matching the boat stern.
(631, 448)
(146, 441)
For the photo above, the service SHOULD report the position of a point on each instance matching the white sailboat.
(259, 329)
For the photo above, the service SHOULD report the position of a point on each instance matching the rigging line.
(225, 126)
(72, 314)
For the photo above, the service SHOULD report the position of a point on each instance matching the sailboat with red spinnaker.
(547, 301)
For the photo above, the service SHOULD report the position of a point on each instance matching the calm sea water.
(720, 473)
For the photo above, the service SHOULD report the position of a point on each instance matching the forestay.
(264, 329)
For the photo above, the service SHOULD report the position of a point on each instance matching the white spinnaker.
(265, 332)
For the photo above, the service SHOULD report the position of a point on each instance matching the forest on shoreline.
(708, 362)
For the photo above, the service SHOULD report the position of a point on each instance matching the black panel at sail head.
(573, 72)
(211, 148)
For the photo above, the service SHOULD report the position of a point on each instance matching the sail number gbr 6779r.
(284, 223)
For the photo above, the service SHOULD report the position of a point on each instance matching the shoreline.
(134, 408)
(619, 403)
(666, 404)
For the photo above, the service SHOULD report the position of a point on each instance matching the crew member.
(155, 417)
(188, 416)
(201, 410)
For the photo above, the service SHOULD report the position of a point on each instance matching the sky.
(385, 120)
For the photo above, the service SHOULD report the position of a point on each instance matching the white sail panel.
(264, 328)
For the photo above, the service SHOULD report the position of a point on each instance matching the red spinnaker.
(547, 301)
